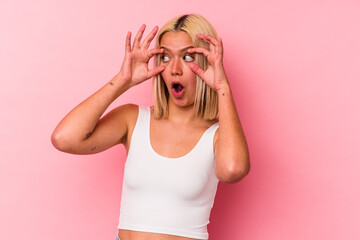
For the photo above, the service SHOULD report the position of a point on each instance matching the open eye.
(188, 58)
(164, 58)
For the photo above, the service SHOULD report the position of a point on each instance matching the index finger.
(139, 36)
(127, 42)
(208, 37)
(204, 51)
(149, 38)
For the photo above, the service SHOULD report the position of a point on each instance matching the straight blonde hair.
(206, 99)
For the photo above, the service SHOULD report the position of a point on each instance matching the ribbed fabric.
(168, 195)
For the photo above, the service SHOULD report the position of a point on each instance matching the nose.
(176, 67)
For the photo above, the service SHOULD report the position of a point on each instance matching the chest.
(177, 161)
(174, 141)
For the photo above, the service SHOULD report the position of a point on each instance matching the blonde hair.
(206, 99)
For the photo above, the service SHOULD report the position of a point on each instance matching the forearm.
(232, 154)
(80, 122)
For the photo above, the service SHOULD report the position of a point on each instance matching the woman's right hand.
(134, 69)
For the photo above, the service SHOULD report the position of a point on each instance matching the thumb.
(155, 71)
(196, 69)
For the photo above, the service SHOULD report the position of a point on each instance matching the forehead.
(176, 40)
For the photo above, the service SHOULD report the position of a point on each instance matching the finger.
(204, 51)
(154, 51)
(221, 48)
(139, 36)
(127, 43)
(218, 49)
(155, 71)
(149, 38)
(211, 46)
(211, 38)
(196, 69)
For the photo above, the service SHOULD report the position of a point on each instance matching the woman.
(178, 149)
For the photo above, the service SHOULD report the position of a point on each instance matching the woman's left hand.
(214, 75)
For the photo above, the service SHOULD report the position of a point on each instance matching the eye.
(188, 58)
(164, 58)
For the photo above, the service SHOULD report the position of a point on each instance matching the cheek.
(189, 71)
(192, 77)
(165, 76)
(166, 70)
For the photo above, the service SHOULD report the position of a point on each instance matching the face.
(180, 80)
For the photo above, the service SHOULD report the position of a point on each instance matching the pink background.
(294, 70)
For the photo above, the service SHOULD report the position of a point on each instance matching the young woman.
(177, 150)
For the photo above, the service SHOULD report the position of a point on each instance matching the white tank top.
(168, 195)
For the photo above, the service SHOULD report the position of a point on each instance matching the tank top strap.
(143, 117)
(206, 141)
(212, 129)
(140, 127)
(210, 133)
(146, 115)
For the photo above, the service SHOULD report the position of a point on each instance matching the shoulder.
(125, 116)
(131, 109)
(126, 113)
(127, 110)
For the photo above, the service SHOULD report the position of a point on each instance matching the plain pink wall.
(294, 70)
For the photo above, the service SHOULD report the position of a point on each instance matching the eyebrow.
(181, 50)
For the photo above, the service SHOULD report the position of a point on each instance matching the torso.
(136, 235)
(169, 141)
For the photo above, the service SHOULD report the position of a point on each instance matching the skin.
(176, 61)
(82, 131)
(181, 119)
(231, 151)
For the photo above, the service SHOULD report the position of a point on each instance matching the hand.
(135, 65)
(214, 76)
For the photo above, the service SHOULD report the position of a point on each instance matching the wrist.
(223, 88)
(120, 81)
(119, 85)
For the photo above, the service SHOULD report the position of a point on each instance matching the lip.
(175, 93)
(176, 82)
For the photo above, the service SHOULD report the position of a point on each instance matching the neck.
(181, 115)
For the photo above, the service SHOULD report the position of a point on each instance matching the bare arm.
(82, 131)
(231, 152)
(232, 161)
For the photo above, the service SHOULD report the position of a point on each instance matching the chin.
(182, 103)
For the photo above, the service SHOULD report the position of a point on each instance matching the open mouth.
(177, 87)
